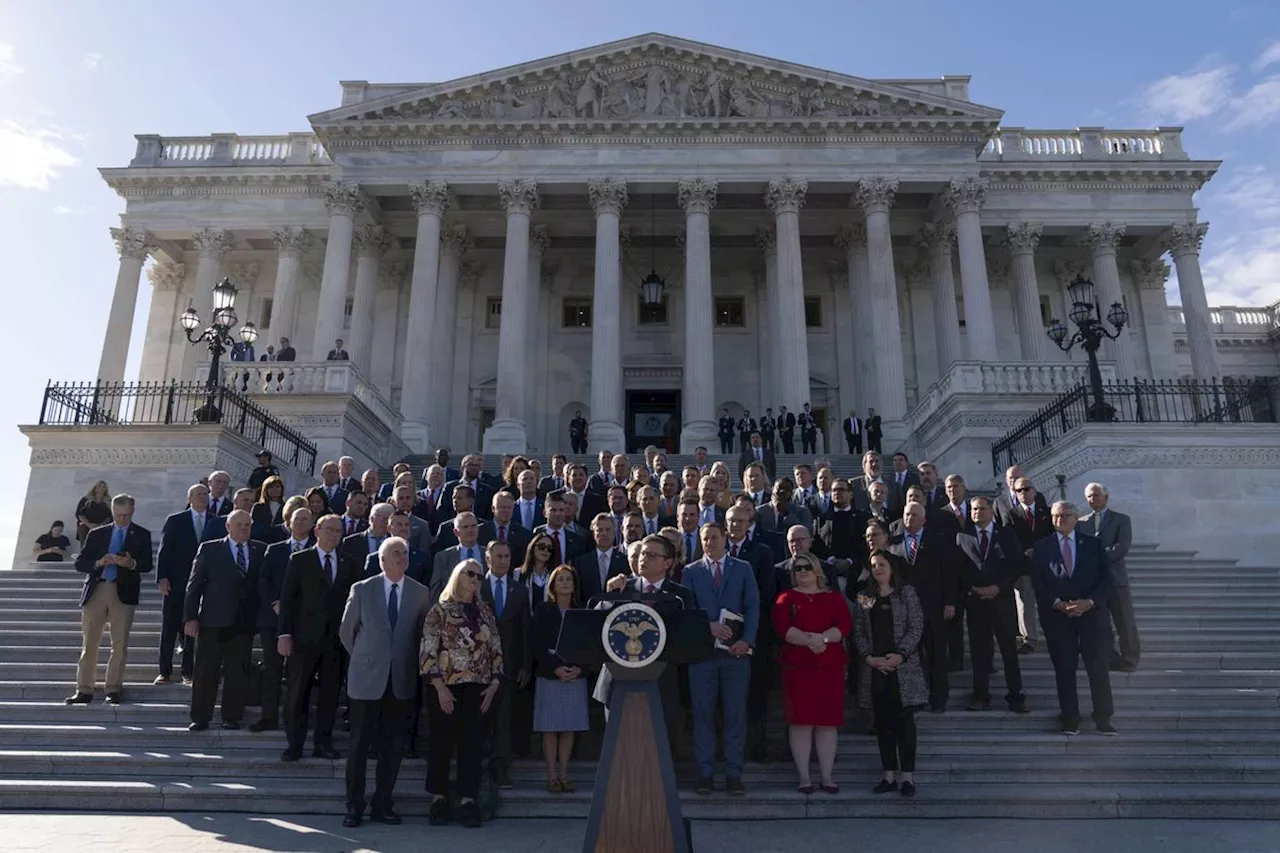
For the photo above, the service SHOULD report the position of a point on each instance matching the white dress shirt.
(333, 561)
(386, 593)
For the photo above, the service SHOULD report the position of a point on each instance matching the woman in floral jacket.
(461, 658)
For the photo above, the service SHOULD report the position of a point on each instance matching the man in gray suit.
(381, 628)
(1115, 532)
(467, 528)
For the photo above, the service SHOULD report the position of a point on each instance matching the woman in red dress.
(813, 622)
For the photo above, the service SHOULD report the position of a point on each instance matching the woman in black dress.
(93, 510)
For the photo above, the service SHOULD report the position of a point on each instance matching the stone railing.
(1085, 143)
(228, 149)
(1001, 378)
(272, 378)
(1234, 319)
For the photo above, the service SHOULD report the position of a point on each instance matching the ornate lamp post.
(218, 337)
(1086, 314)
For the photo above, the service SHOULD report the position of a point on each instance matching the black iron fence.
(1174, 401)
(135, 403)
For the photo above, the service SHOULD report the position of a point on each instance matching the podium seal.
(633, 635)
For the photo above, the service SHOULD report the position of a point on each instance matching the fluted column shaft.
(1183, 242)
(134, 245)
(889, 395)
(539, 241)
(1150, 275)
(212, 245)
(1101, 240)
(371, 242)
(290, 244)
(938, 239)
(853, 239)
(698, 197)
(431, 200)
(344, 202)
(606, 430)
(965, 198)
(767, 240)
(785, 198)
(444, 325)
(1033, 343)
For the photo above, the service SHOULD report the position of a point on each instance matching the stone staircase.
(1199, 727)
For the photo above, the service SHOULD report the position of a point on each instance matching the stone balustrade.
(1234, 319)
(1085, 143)
(300, 378)
(1018, 378)
(229, 149)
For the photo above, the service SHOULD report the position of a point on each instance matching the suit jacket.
(966, 520)
(1116, 536)
(762, 559)
(536, 514)
(599, 483)
(518, 538)
(1029, 527)
(852, 426)
(287, 354)
(549, 484)
(356, 547)
(544, 636)
(873, 425)
(719, 512)
(787, 423)
(382, 655)
(590, 504)
(264, 517)
(775, 543)
(739, 592)
(221, 506)
(178, 544)
(574, 543)
(137, 544)
(893, 497)
(339, 355)
(909, 478)
(1002, 566)
(216, 528)
(691, 556)
(841, 535)
(337, 503)
(311, 603)
(275, 562)
(588, 569)
(513, 626)
(935, 573)
(484, 497)
(219, 595)
(445, 561)
(419, 566)
(748, 456)
(797, 513)
(1090, 575)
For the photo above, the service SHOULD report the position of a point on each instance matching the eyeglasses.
(1024, 489)
(542, 547)
(802, 567)
(471, 573)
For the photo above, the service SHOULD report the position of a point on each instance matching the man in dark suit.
(334, 495)
(275, 563)
(768, 428)
(219, 493)
(991, 563)
(1072, 581)
(841, 533)
(875, 432)
(602, 479)
(113, 559)
(853, 433)
(654, 520)
(467, 529)
(557, 478)
(501, 527)
(709, 508)
(808, 430)
(216, 528)
(687, 522)
(567, 544)
(787, 430)
(958, 505)
(746, 426)
(756, 452)
(471, 477)
(578, 432)
(903, 476)
(358, 546)
(419, 561)
(762, 559)
(179, 539)
(873, 472)
(287, 352)
(590, 504)
(442, 459)
(724, 432)
(1115, 531)
(528, 506)
(930, 559)
(316, 584)
(404, 499)
(935, 496)
(800, 541)
(1026, 511)
(510, 603)
(603, 562)
(221, 610)
(338, 353)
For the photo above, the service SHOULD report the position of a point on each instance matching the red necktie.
(733, 552)
(912, 547)
(983, 544)
(716, 575)
(650, 588)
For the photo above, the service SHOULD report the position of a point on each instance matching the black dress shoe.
(1019, 706)
(353, 819)
(908, 789)
(502, 777)
(1121, 666)
(704, 786)
(230, 725)
(1026, 648)
(113, 698)
(439, 813)
(197, 727)
(388, 816)
(1071, 729)
(735, 787)
(325, 751)
(938, 709)
(410, 750)
(979, 705)
(79, 699)
(291, 755)
(884, 786)
(1105, 728)
(263, 726)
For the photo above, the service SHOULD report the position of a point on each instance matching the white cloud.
(1244, 269)
(1183, 97)
(8, 66)
(92, 59)
(1267, 58)
(31, 158)
(1257, 107)
(63, 210)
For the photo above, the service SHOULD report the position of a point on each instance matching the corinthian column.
(1183, 241)
(539, 242)
(608, 198)
(937, 239)
(454, 243)
(431, 200)
(698, 197)
(372, 242)
(1023, 238)
(1101, 241)
(965, 198)
(290, 244)
(767, 319)
(508, 433)
(134, 245)
(1150, 275)
(785, 198)
(853, 239)
(889, 390)
(344, 202)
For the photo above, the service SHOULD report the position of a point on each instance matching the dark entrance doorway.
(653, 417)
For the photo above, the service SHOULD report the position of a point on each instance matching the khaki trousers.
(103, 608)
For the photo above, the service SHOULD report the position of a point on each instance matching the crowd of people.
(446, 589)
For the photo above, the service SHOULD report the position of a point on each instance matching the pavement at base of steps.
(68, 832)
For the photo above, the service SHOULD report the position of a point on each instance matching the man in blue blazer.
(181, 536)
(720, 582)
(1071, 579)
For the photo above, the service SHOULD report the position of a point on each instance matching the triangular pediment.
(657, 79)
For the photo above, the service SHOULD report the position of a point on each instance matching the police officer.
(265, 469)
(578, 432)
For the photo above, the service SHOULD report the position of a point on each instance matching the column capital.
(343, 197)
(607, 196)
(455, 240)
(245, 274)
(837, 273)
(698, 195)
(786, 195)
(1022, 238)
(392, 276)
(167, 275)
(767, 239)
(469, 275)
(431, 197)
(1184, 238)
(1150, 273)
(212, 243)
(519, 196)
(372, 241)
(1065, 271)
(852, 236)
(133, 243)
(938, 238)
(1101, 238)
(291, 242)
(875, 195)
(997, 269)
(916, 271)
(539, 240)
(965, 195)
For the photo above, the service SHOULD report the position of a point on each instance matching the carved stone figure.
(558, 102)
(590, 101)
(713, 103)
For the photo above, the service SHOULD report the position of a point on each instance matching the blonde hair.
(812, 562)
(450, 591)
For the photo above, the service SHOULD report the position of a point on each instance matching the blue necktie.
(393, 606)
(117, 545)
(500, 597)
(240, 561)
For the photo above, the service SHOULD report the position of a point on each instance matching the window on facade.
(730, 312)
(264, 319)
(813, 312)
(493, 313)
(652, 315)
(1046, 310)
(576, 313)
(347, 310)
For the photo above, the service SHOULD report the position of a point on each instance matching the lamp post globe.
(1089, 334)
(217, 336)
(249, 333)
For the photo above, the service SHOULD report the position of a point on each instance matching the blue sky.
(76, 87)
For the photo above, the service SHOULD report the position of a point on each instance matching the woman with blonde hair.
(560, 701)
(724, 493)
(461, 659)
(269, 509)
(93, 510)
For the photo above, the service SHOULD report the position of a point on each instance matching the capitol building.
(648, 232)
